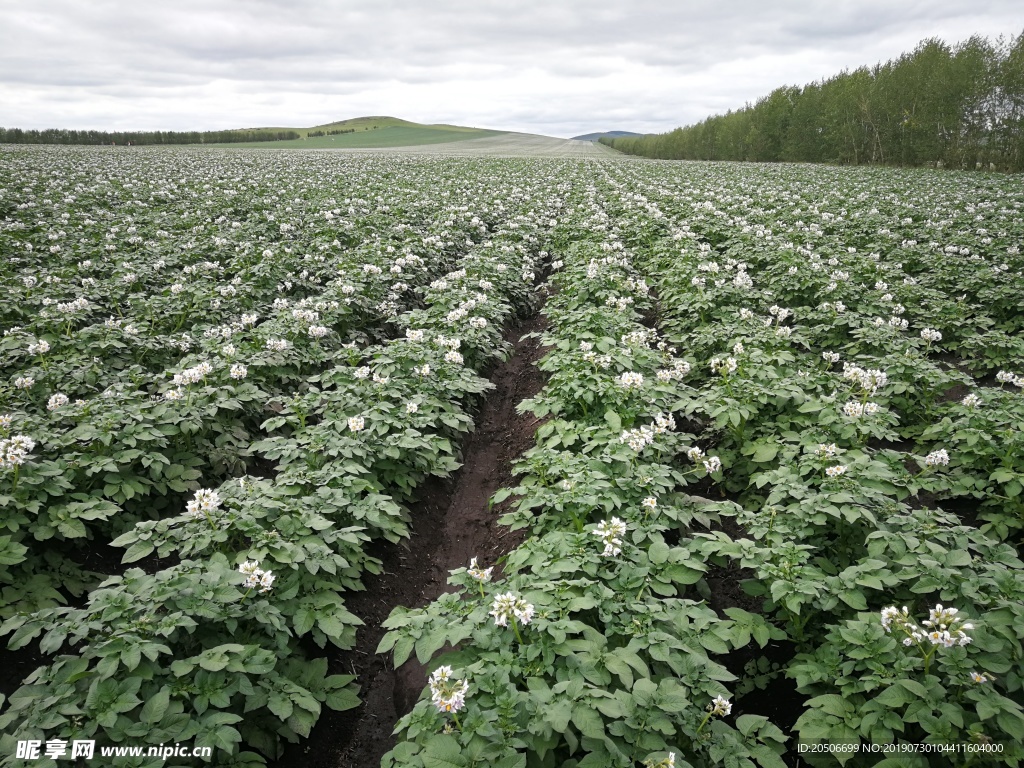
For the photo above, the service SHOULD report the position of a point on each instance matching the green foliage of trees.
(961, 106)
(64, 136)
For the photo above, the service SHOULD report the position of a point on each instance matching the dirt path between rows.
(451, 524)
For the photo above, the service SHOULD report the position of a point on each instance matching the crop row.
(857, 464)
(218, 648)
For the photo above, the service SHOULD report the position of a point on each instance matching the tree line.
(65, 136)
(958, 106)
(332, 132)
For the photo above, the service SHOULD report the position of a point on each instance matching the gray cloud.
(551, 66)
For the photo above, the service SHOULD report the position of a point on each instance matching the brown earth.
(451, 524)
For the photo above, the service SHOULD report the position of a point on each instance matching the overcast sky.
(556, 67)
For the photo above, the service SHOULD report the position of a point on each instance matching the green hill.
(368, 133)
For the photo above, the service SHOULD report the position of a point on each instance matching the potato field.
(768, 510)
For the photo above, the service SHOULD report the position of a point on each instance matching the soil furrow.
(451, 524)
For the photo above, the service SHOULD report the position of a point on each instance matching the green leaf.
(154, 709)
(589, 722)
(443, 751)
(613, 420)
(765, 452)
(402, 650)
(658, 553)
(430, 644)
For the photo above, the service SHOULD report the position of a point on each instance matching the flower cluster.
(511, 606)
(937, 458)
(40, 347)
(239, 371)
(855, 410)
(869, 379)
(724, 367)
(15, 450)
(836, 471)
(679, 370)
(446, 693)
(930, 335)
(971, 401)
(277, 345)
(193, 375)
(944, 627)
(640, 438)
(58, 400)
(1006, 377)
(203, 503)
(631, 380)
(611, 532)
(356, 423)
(826, 450)
(719, 706)
(478, 573)
(256, 578)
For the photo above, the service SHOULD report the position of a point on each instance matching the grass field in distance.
(371, 132)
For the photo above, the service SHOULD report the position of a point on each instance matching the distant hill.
(369, 133)
(608, 134)
(357, 132)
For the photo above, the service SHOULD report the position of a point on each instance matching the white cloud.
(554, 67)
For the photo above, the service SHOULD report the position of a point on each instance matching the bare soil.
(451, 524)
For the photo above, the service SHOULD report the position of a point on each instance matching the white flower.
(414, 334)
(277, 345)
(830, 357)
(255, 577)
(827, 450)
(422, 370)
(239, 371)
(650, 502)
(637, 439)
(712, 464)
(930, 335)
(723, 367)
(695, 454)
(411, 407)
(356, 423)
(453, 357)
(58, 400)
(363, 372)
(14, 450)
(318, 331)
(6, 420)
(193, 375)
(611, 533)
(478, 573)
(203, 502)
(40, 347)
(836, 471)
(510, 605)
(446, 694)
(24, 382)
(478, 322)
(719, 706)
(971, 401)
(631, 380)
(937, 458)
(979, 678)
